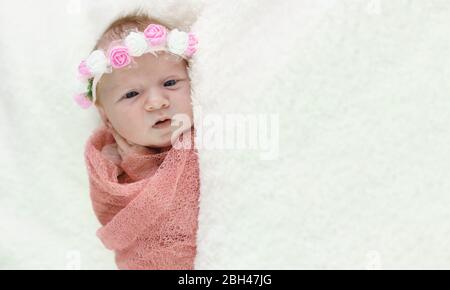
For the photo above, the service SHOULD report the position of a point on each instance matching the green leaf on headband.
(89, 89)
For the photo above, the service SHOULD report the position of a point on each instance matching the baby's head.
(142, 89)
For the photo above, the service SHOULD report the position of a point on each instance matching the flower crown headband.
(154, 38)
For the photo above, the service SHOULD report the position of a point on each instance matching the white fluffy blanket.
(362, 179)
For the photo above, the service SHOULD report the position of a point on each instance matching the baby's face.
(134, 98)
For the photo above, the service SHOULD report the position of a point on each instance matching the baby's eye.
(170, 83)
(131, 94)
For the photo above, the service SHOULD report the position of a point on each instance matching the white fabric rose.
(97, 62)
(177, 41)
(136, 43)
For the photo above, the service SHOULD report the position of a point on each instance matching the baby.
(144, 189)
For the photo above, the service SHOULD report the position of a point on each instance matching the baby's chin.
(163, 140)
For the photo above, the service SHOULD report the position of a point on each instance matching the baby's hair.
(122, 25)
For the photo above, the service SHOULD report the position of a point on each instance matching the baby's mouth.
(162, 124)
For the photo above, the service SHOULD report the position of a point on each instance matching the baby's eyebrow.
(114, 86)
(173, 76)
(119, 85)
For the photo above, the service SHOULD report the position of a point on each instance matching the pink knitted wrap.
(149, 213)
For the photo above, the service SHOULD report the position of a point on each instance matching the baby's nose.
(157, 104)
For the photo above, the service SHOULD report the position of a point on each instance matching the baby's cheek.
(186, 108)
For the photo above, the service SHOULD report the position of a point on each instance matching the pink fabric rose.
(192, 45)
(83, 71)
(82, 101)
(119, 57)
(156, 34)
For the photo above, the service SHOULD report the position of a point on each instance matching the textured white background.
(361, 88)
